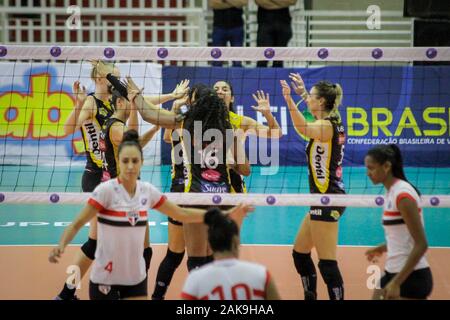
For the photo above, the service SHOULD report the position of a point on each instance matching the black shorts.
(91, 179)
(418, 285)
(328, 214)
(116, 292)
(176, 188)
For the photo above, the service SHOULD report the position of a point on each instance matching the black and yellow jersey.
(91, 133)
(205, 172)
(237, 182)
(325, 160)
(178, 171)
(110, 153)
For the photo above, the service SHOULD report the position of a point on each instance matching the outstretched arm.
(189, 215)
(71, 231)
(146, 137)
(149, 111)
(79, 93)
(320, 130)
(180, 90)
(251, 126)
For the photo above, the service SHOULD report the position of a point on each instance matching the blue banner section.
(408, 106)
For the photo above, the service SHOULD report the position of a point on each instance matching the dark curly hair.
(209, 109)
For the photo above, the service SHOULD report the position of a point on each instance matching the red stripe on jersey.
(392, 213)
(259, 293)
(95, 204)
(160, 202)
(404, 195)
(120, 213)
(142, 213)
(187, 296)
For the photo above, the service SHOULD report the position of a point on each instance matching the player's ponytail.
(221, 230)
(131, 138)
(397, 165)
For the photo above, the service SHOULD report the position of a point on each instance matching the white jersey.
(398, 239)
(121, 231)
(227, 279)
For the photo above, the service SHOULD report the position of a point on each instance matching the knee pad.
(195, 262)
(148, 252)
(303, 262)
(330, 273)
(174, 258)
(89, 248)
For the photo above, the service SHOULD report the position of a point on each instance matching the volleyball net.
(391, 95)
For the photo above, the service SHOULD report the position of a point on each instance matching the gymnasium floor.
(27, 231)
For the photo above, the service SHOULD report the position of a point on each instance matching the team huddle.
(208, 156)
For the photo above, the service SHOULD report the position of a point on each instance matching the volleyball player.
(89, 114)
(207, 162)
(248, 125)
(121, 206)
(176, 244)
(407, 273)
(228, 278)
(325, 152)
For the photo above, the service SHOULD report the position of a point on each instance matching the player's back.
(227, 279)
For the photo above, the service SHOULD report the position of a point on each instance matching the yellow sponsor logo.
(382, 121)
(36, 115)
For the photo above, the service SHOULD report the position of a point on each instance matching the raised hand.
(132, 88)
(298, 85)
(181, 89)
(263, 102)
(79, 92)
(286, 90)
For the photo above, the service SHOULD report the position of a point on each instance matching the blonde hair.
(94, 70)
(331, 92)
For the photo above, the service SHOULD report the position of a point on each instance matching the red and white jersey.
(398, 239)
(227, 279)
(121, 231)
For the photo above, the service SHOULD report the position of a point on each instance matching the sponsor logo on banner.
(36, 100)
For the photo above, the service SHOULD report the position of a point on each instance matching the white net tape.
(391, 54)
(437, 201)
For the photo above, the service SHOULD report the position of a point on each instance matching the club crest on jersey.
(133, 217)
(144, 201)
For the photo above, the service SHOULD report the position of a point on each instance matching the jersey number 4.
(109, 267)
